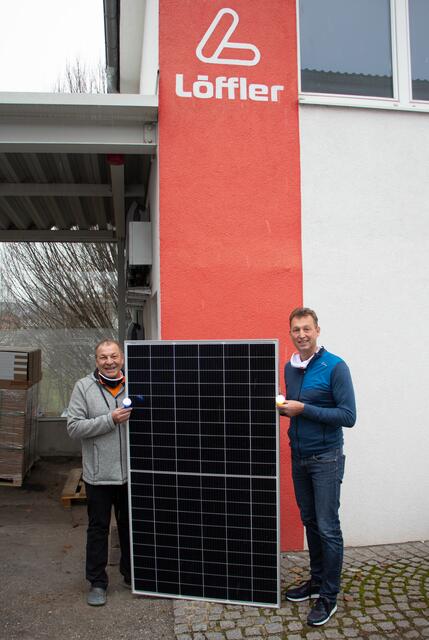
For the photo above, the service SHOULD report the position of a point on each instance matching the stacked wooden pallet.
(20, 372)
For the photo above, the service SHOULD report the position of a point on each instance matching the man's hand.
(291, 408)
(120, 415)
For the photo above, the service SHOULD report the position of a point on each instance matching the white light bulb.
(280, 399)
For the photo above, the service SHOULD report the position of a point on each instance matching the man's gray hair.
(107, 341)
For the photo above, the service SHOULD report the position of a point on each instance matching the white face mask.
(301, 364)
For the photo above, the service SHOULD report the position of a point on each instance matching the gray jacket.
(104, 443)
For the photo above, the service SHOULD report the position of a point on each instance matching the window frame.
(401, 71)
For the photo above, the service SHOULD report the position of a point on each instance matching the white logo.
(221, 87)
(225, 43)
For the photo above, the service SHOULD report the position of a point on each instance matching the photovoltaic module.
(204, 470)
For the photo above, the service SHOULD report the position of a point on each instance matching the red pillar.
(230, 227)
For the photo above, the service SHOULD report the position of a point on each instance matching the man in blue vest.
(319, 402)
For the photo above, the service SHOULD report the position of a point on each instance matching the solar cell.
(203, 461)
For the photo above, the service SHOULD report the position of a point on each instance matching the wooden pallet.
(74, 489)
(11, 481)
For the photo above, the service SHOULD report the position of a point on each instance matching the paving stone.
(184, 636)
(251, 611)
(215, 635)
(181, 628)
(411, 634)
(420, 622)
(234, 634)
(252, 631)
(294, 626)
(387, 626)
(402, 624)
(232, 615)
(227, 624)
(199, 626)
(274, 627)
(396, 615)
(333, 634)
(379, 616)
(349, 632)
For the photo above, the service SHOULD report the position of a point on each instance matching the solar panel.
(203, 470)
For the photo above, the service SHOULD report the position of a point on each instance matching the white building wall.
(365, 226)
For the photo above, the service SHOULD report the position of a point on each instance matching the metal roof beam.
(55, 190)
(32, 135)
(57, 236)
(66, 190)
(114, 106)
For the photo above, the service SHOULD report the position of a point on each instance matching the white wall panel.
(365, 227)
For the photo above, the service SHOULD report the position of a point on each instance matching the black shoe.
(322, 610)
(304, 592)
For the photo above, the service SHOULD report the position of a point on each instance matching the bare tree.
(61, 298)
(56, 285)
(79, 78)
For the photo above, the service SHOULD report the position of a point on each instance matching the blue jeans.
(317, 481)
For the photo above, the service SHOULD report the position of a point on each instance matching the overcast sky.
(38, 37)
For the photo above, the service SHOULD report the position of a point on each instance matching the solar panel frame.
(173, 480)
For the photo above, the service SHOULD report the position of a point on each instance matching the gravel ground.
(43, 588)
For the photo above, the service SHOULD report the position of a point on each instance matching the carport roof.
(70, 164)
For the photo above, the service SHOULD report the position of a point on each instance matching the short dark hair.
(301, 312)
(107, 341)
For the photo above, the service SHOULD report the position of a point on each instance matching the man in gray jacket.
(96, 416)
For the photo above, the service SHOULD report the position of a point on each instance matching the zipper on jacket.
(120, 441)
(119, 427)
(297, 417)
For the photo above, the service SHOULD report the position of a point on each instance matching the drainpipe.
(111, 34)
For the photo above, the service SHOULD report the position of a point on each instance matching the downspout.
(111, 34)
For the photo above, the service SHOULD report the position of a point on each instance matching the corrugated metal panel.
(80, 205)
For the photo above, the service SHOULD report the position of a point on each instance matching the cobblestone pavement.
(384, 595)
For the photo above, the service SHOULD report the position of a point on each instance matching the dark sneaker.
(96, 597)
(304, 592)
(322, 610)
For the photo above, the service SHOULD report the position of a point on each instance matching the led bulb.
(126, 403)
(280, 399)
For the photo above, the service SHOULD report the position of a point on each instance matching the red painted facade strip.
(230, 227)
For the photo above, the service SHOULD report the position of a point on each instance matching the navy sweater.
(325, 387)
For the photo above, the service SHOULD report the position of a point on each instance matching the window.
(346, 47)
(419, 43)
(364, 53)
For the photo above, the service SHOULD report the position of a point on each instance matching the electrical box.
(139, 243)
